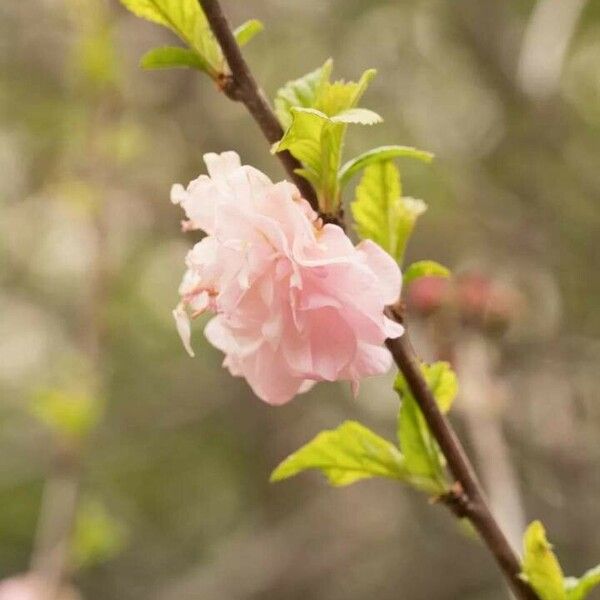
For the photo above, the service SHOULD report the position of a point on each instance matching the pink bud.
(428, 294)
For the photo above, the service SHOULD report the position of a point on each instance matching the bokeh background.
(163, 461)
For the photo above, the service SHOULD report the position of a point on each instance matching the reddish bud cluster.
(474, 297)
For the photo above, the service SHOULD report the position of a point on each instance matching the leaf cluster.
(315, 113)
(70, 415)
(353, 452)
(186, 19)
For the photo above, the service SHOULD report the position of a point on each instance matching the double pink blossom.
(295, 301)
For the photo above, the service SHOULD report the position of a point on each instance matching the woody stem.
(241, 86)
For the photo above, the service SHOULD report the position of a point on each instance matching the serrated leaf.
(382, 153)
(381, 213)
(540, 567)
(345, 455)
(421, 453)
(358, 116)
(246, 31)
(300, 93)
(186, 19)
(315, 135)
(579, 588)
(424, 268)
(339, 96)
(172, 57)
(443, 383)
(378, 190)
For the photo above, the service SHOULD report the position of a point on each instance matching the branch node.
(398, 310)
(456, 501)
(229, 86)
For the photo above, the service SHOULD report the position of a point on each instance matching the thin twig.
(242, 86)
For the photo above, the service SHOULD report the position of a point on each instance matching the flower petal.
(182, 322)
(296, 301)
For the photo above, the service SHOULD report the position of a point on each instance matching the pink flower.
(296, 302)
(30, 587)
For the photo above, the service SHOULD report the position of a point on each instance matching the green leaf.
(383, 153)
(94, 55)
(424, 268)
(372, 209)
(359, 116)
(540, 567)
(381, 213)
(422, 456)
(315, 140)
(303, 138)
(186, 19)
(315, 134)
(70, 414)
(440, 379)
(300, 93)
(172, 57)
(246, 31)
(421, 453)
(344, 455)
(443, 383)
(339, 96)
(542, 570)
(579, 588)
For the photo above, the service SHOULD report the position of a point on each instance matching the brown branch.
(470, 500)
(473, 503)
(241, 86)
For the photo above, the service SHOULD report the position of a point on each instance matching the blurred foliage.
(352, 452)
(186, 20)
(317, 127)
(91, 256)
(70, 415)
(97, 536)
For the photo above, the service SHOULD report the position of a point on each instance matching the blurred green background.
(171, 484)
